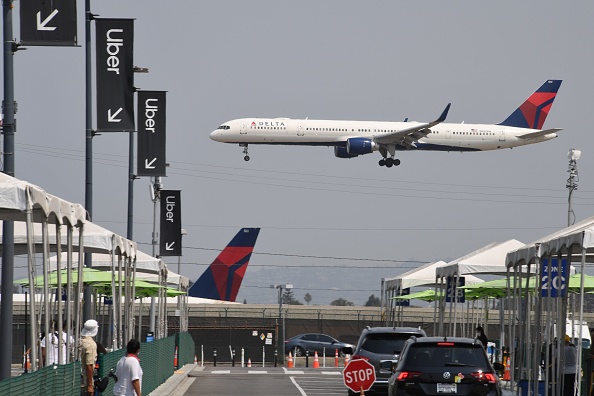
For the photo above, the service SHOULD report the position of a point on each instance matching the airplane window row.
(474, 133)
(279, 128)
(327, 129)
(224, 127)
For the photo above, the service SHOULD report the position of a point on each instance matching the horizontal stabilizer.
(536, 134)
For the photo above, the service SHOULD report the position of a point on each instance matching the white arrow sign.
(42, 25)
(169, 246)
(112, 117)
(149, 165)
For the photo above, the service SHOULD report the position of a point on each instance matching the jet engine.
(359, 146)
(341, 152)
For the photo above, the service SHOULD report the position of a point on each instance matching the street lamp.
(573, 155)
(183, 232)
(281, 340)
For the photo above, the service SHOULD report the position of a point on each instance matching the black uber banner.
(115, 74)
(170, 224)
(151, 133)
(51, 23)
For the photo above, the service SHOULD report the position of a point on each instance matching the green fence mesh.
(52, 380)
(156, 360)
(187, 349)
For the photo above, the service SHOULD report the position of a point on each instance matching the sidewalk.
(178, 383)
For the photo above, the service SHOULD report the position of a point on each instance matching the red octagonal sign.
(359, 375)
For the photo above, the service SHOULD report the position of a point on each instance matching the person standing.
(52, 348)
(569, 367)
(482, 337)
(129, 372)
(88, 356)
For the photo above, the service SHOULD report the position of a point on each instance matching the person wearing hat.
(88, 355)
(569, 367)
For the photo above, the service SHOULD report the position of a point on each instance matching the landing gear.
(389, 162)
(245, 151)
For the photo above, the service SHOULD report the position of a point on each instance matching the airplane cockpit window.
(224, 127)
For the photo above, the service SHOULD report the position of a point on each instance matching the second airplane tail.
(533, 112)
(222, 279)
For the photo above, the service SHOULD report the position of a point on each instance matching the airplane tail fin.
(222, 279)
(533, 112)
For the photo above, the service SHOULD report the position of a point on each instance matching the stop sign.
(359, 375)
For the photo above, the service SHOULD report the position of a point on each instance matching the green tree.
(289, 298)
(373, 301)
(341, 302)
(307, 298)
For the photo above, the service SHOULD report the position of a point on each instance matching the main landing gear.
(389, 162)
(245, 151)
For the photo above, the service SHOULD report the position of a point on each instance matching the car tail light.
(359, 357)
(445, 344)
(407, 375)
(485, 377)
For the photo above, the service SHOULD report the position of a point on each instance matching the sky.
(331, 227)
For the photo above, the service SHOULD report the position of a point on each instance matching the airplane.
(222, 279)
(353, 138)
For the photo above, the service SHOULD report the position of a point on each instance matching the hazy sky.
(380, 60)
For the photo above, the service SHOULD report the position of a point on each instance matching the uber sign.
(151, 134)
(170, 229)
(48, 22)
(115, 75)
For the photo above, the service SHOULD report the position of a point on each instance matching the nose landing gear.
(245, 151)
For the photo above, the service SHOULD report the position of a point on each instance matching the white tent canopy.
(487, 260)
(421, 276)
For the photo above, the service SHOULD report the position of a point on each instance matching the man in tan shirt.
(88, 355)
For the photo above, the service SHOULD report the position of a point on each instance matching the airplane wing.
(532, 135)
(408, 136)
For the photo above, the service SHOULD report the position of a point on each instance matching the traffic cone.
(316, 363)
(290, 361)
(336, 358)
(175, 358)
(27, 360)
(506, 372)
(195, 359)
(249, 362)
(346, 359)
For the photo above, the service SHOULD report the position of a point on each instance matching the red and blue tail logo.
(533, 112)
(222, 279)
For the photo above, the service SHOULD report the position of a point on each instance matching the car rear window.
(436, 355)
(387, 343)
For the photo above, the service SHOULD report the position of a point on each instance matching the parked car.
(381, 346)
(443, 365)
(313, 342)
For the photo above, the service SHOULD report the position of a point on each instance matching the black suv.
(381, 347)
(439, 365)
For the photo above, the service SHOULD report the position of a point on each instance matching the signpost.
(359, 375)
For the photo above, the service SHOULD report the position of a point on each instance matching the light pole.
(281, 339)
(183, 232)
(573, 155)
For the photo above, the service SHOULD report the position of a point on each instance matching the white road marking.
(331, 372)
(257, 372)
(287, 371)
(221, 372)
(298, 387)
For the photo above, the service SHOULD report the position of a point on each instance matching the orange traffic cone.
(336, 358)
(175, 358)
(316, 363)
(290, 361)
(195, 359)
(506, 372)
(27, 360)
(346, 359)
(249, 362)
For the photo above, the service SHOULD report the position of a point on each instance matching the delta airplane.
(222, 278)
(353, 138)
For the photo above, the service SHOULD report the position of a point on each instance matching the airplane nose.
(216, 135)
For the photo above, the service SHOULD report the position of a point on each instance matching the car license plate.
(446, 388)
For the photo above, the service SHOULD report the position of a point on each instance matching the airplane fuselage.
(443, 137)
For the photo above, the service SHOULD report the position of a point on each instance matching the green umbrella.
(90, 276)
(425, 295)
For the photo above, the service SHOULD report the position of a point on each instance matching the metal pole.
(87, 305)
(156, 189)
(571, 185)
(8, 109)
